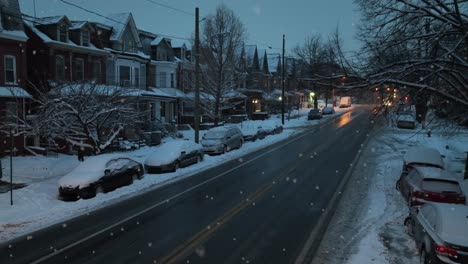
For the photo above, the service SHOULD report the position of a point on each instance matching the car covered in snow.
(429, 184)
(173, 155)
(219, 140)
(328, 111)
(101, 173)
(422, 156)
(406, 121)
(440, 232)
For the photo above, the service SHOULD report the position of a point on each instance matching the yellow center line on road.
(187, 248)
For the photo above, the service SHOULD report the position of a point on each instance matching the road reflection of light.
(343, 120)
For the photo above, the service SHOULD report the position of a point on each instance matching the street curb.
(312, 244)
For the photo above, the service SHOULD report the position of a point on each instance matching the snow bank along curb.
(315, 238)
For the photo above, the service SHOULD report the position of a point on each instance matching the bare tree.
(86, 115)
(223, 35)
(417, 45)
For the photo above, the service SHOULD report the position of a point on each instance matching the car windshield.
(242, 131)
(215, 135)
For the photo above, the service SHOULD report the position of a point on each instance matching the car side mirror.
(107, 172)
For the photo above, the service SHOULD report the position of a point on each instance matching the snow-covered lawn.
(37, 206)
(368, 225)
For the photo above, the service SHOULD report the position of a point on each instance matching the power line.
(92, 12)
(170, 7)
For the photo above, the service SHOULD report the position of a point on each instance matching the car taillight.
(446, 251)
(418, 194)
(461, 199)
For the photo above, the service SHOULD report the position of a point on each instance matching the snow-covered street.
(37, 205)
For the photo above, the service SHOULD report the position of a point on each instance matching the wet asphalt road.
(258, 209)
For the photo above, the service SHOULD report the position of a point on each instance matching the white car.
(172, 155)
(219, 140)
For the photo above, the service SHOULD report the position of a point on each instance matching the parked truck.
(345, 102)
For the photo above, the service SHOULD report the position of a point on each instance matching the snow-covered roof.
(424, 155)
(436, 173)
(78, 24)
(274, 61)
(118, 22)
(49, 20)
(234, 94)
(178, 43)
(91, 170)
(13, 91)
(261, 57)
(452, 222)
(170, 151)
(250, 54)
(173, 92)
(159, 39)
(70, 44)
(18, 35)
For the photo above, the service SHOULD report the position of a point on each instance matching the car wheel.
(398, 184)
(176, 166)
(408, 226)
(423, 257)
(199, 158)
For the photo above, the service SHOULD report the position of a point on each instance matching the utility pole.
(197, 76)
(282, 85)
(11, 165)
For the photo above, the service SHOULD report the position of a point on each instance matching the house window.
(97, 71)
(85, 38)
(163, 109)
(11, 111)
(10, 69)
(78, 69)
(172, 80)
(63, 33)
(60, 68)
(137, 77)
(162, 80)
(124, 76)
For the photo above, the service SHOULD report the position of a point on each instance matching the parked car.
(314, 114)
(219, 140)
(345, 102)
(102, 173)
(440, 232)
(422, 156)
(173, 155)
(406, 121)
(266, 130)
(328, 111)
(429, 184)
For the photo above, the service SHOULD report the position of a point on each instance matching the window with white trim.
(62, 33)
(10, 69)
(136, 72)
(59, 68)
(78, 69)
(124, 76)
(162, 79)
(172, 80)
(85, 38)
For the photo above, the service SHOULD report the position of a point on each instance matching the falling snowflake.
(64, 225)
(29, 237)
(111, 234)
(311, 204)
(317, 187)
(300, 155)
(287, 178)
(241, 192)
(294, 180)
(373, 149)
(234, 239)
(34, 52)
(311, 156)
(284, 250)
(139, 252)
(122, 229)
(364, 165)
(137, 222)
(241, 160)
(10, 246)
(337, 171)
(212, 198)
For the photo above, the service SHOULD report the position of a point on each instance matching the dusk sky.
(265, 20)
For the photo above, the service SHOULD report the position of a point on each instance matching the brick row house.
(52, 51)
(13, 78)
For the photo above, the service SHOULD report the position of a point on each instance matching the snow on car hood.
(89, 171)
(170, 151)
